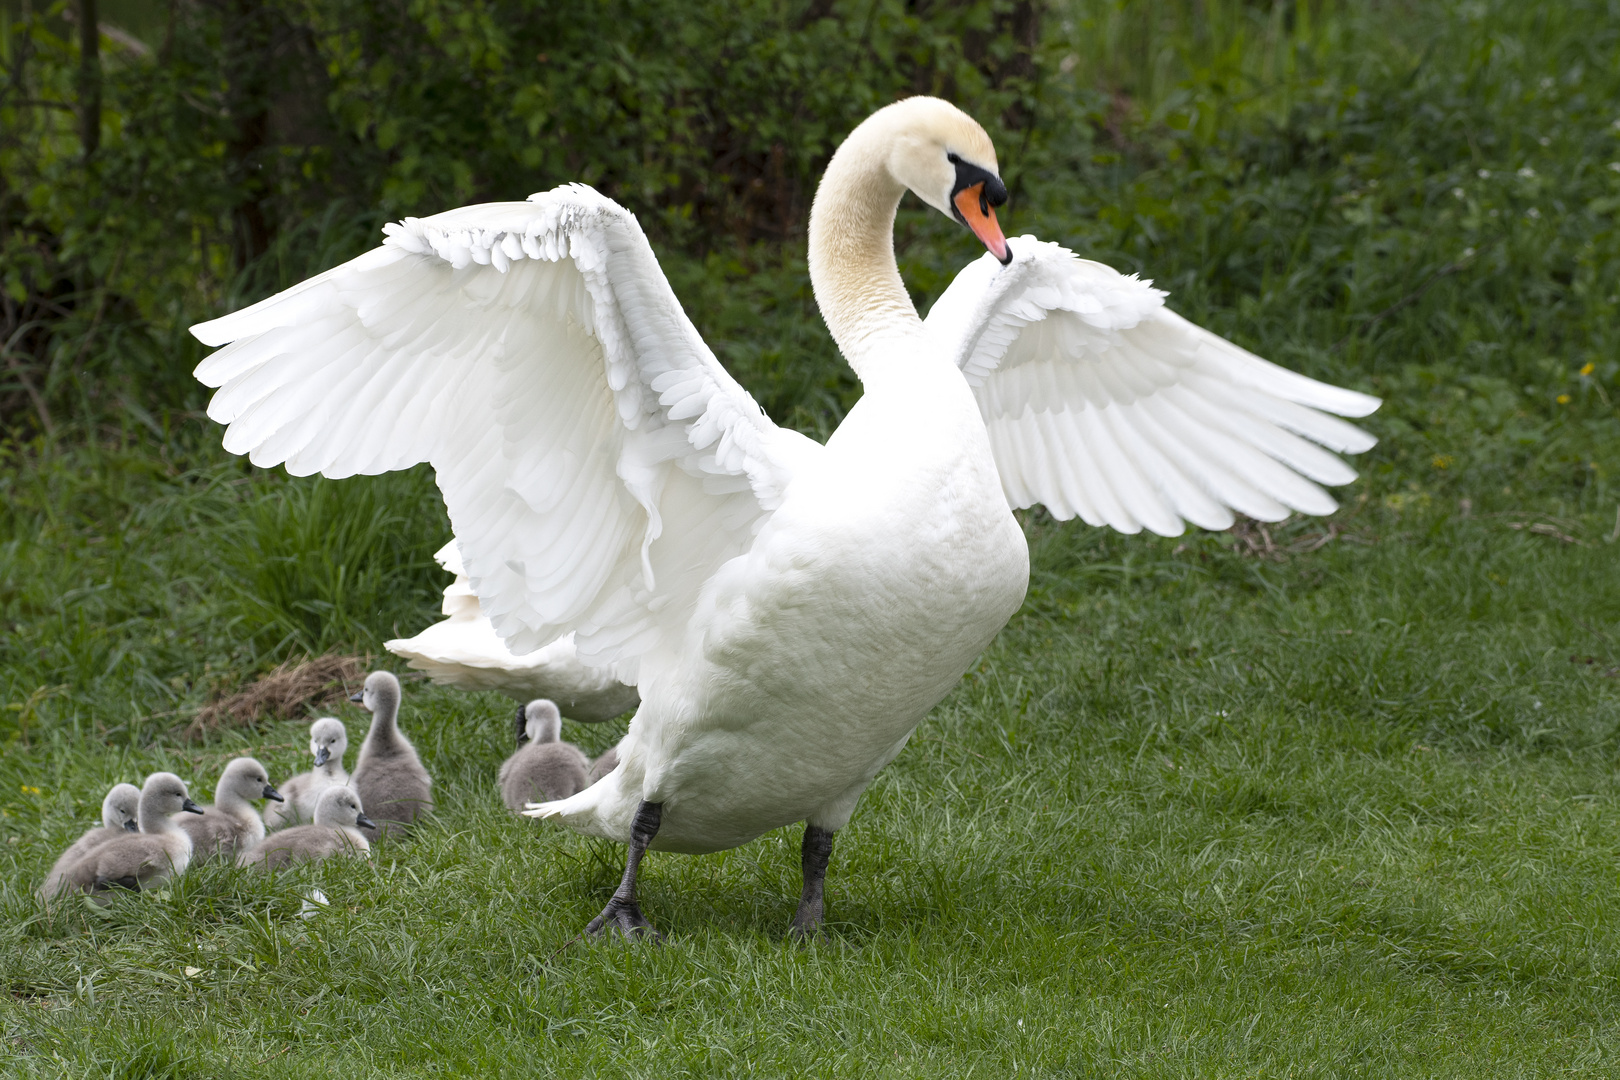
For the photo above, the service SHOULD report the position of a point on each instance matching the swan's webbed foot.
(624, 916)
(813, 857)
(623, 913)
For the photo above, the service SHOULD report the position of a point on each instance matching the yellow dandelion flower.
(1589, 368)
(1563, 399)
(30, 790)
(1442, 461)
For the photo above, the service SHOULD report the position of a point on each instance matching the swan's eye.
(993, 193)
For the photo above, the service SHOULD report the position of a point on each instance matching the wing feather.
(597, 462)
(1208, 456)
(1072, 454)
(1155, 478)
(1102, 403)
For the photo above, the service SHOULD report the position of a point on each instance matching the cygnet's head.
(165, 793)
(945, 158)
(328, 740)
(340, 806)
(246, 779)
(121, 808)
(540, 720)
(381, 689)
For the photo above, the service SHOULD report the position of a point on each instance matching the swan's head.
(340, 806)
(944, 157)
(165, 793)
(541, 721)
(121, 808)
(246, 779)
(381, 688)
(328, 740)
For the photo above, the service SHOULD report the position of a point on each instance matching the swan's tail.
(600, 810)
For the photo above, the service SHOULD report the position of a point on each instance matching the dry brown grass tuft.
(283, 693)
(1298, 535)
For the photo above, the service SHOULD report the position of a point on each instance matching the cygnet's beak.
(322, 756)
(365, 822)
(272, 794)
(132, 826)
(522, 723)
(358, 697)
(190, 807)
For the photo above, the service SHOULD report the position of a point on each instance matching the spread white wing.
(597, 462)
(1102, 402)
(463, 650)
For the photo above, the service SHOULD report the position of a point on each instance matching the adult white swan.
(788, 611)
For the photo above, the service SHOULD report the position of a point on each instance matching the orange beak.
(976, 213)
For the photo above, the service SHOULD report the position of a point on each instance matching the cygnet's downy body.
(337, 813)
(603, 765)
(232, 826)
(394, 787)
(120, 816)
(328, 742)
(161, 849)
(547, 768)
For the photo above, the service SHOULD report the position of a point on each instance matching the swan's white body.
(789, 612)
(823, 646)
(463, 650)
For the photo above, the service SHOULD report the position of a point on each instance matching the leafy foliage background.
(255, 142)
(1416, 199)
(1322, 182)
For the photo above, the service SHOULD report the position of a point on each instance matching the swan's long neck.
(229, 801)
(384, 733)
(852, 267)
(152, 817)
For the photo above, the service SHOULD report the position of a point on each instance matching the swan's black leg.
(813, 857)
(622, 912)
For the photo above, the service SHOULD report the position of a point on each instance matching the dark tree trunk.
(89, 77)
(247, 40)
(1023, 25)
(1021, 22)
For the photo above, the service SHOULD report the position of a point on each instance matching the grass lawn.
(1198, 812)
(1333, 798)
